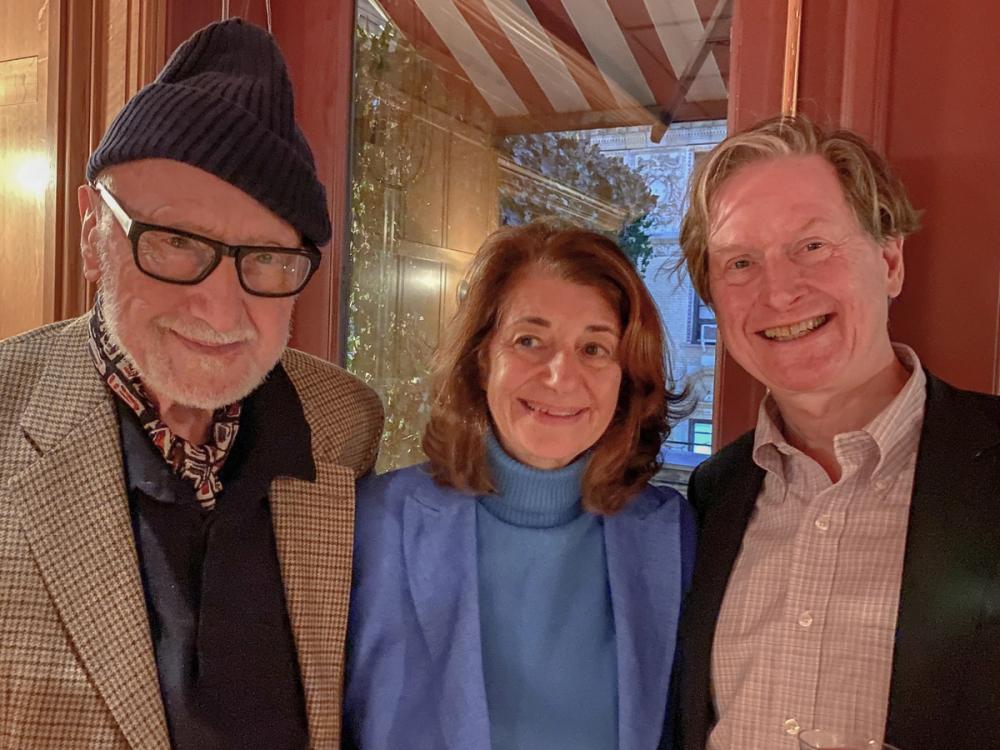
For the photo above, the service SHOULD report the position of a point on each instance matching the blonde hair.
(873, 191)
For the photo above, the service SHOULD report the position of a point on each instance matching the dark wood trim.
(317, 39)
(80, 97)
(790, 75)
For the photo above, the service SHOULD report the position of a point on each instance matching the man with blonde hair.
(177, 487)
(849, 563)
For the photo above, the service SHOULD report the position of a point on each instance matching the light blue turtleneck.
(545, 610)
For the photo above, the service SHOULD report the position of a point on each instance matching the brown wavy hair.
(625, 456)
(872, 190)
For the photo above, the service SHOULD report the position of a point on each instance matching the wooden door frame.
(89, 38)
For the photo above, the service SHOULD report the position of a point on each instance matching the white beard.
(206, 383)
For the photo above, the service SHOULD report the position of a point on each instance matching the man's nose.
(782, 284)
(219, 299)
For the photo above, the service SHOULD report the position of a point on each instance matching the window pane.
(469, 115)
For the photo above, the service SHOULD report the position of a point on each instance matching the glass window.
(703, 326)
(471, 114)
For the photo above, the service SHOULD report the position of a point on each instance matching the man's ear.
(89, 203)
(892, 254)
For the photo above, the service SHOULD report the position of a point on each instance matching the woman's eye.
(740, 264)
(812, 246)
(179, 243)
(596, 350)
(526, 342)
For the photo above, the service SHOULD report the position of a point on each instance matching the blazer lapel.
(439, 546)
(953, 529)
(724, 512)
(644, 572)
(314, 532)
(74, 512)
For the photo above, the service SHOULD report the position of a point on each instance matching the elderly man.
(849, 571)
(176, 488)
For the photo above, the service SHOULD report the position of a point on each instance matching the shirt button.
(806, 619)
(881, 485)
(791, 727)
(823, 523)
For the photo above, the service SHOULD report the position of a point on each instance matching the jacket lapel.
(724, 493)
(313, 528)
(953, 530)
(644, 572)
(439, 547)
(74, 511)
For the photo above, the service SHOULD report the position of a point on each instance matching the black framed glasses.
(180, 257)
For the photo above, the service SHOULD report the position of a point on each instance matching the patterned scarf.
(199, 464)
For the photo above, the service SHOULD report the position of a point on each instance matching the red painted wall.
(943, 136)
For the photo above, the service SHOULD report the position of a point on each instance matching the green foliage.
(635, 241)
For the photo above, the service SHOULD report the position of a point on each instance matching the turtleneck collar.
(526, 496)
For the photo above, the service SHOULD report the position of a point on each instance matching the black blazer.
(945, 686)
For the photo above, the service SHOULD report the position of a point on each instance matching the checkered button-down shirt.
(805, 633)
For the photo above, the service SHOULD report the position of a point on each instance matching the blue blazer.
(414, 674)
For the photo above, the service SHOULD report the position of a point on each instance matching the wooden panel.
(424, 198)
(473, 210)
(19, 81)
(419, 305)
(76, 128)
(26, 160)
(90, 57)
(106, 50)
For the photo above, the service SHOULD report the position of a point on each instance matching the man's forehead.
(793, 172)
(783, 193)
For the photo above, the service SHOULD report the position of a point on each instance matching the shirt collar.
(896, 428)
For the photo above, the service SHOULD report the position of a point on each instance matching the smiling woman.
(572, 299)
(552, 372)
(503, 593)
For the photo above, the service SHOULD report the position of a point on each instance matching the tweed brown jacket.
(76, 659)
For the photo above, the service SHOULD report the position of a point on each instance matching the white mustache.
(202, 333)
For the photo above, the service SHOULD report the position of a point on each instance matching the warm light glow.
(30, 173)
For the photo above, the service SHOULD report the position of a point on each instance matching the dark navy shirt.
(225, 654)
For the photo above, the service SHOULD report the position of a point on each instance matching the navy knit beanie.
(223, 103)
